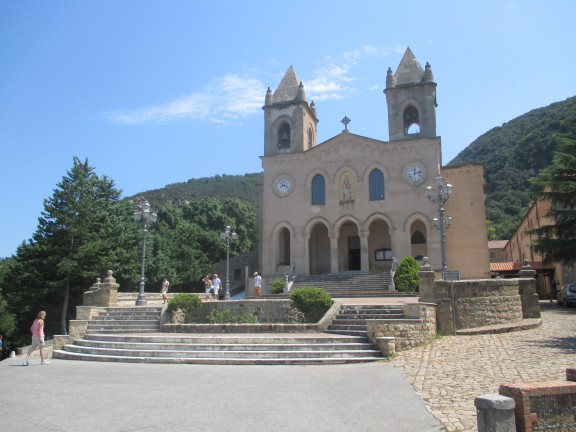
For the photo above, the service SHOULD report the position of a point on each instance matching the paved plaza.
(453, 370)
(441, 378)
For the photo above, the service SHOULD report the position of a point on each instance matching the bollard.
(495, 413)
(12, 354)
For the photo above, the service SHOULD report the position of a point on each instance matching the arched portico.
(319, 249)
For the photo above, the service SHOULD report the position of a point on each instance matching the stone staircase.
(354, 284)
(117, 335)
(351, 319)
(141, 319)
(277, 349)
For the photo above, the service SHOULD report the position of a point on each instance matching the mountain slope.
(512, 154)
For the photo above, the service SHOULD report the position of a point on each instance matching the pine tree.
(79, 232)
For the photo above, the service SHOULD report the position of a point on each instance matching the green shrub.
(406, 275)
(310, 299)
(277, 287)
(226, 316)
(185, 302)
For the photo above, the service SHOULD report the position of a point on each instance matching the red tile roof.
(497, 244)
(515, 266)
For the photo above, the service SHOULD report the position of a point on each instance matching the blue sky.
(159, 92)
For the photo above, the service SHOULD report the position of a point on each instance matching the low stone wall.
(273, 315)
(545, 406)
(417, 328)
(478, 303)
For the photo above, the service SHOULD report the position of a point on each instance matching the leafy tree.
(83, 231)
(557, 242)
(406, 275)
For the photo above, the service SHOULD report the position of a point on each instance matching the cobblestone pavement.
(450, 372)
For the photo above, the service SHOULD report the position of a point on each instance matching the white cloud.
(236, 96)
(228, 97)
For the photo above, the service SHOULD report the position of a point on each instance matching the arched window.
(284, 136)
(376, 185)
(318, 190)
(411, 120)
(310, 137)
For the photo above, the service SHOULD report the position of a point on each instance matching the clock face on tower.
(284, 185)
(415, 173)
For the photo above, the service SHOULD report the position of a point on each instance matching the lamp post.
(146, 216)
(440, 196)
(228, 237)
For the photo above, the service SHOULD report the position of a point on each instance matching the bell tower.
(411, 97)
(290, 124)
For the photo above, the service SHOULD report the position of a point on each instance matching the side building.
(352, 203)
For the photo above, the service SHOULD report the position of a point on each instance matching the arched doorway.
(319, 249)
(418, 240)
(349, 258)
(283, 245)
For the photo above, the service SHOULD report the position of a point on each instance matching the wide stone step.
(223, 346)
(226, 339)
(363, 333)
(247, 354)
(93, 328)
(126, 318)
(222, 349)
(218, 361)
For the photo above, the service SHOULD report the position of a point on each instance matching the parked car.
(567, 294)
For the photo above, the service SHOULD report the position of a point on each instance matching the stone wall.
(468, 304)
(417, 328)
(273, 316)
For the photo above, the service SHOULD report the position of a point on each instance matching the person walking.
(37, 330)
(207, 286)
(257, 285)
(164, 290)
(216, 284)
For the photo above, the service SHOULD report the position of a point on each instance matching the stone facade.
(352, 202)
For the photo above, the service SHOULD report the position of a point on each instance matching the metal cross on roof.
(345, 120)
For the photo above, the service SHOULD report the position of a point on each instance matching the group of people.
(212, 285)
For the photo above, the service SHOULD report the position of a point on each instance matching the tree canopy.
(557, 241)
(86, 229)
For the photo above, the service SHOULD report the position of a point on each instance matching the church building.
(354, 203)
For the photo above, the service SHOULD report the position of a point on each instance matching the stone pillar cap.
(495, 402)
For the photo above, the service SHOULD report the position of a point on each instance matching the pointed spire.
(313, 108)
(409, 71)
(389, 78)
(268, 100)
(301, 94)
(288, 88)
(428, 76)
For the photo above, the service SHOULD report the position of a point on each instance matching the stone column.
(333, 253)
(495, 413)
(364, 254)
(527, 291)
(306, 263)
(426, 277)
